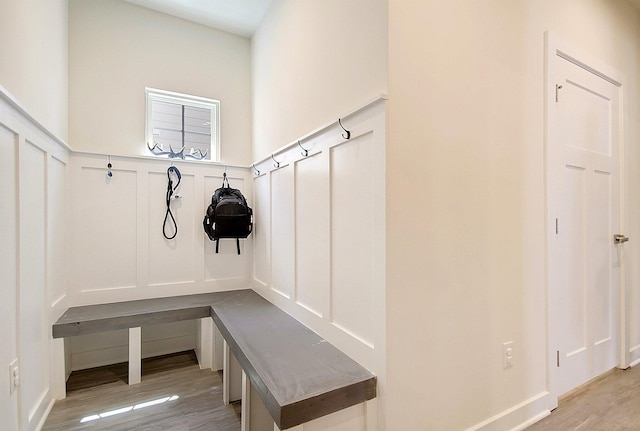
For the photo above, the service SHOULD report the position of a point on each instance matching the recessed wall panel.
(282, 231)
(312, 233)
(226, 264)
(261, 230)
(105, 229)
(57, 229)
(33, 312)
(171, 260)
(9, 270)
(352, 219)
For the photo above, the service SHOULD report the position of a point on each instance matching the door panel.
(583, 156)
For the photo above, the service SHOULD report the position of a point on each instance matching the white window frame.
(154, 94)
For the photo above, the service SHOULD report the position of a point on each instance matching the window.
(180, 125)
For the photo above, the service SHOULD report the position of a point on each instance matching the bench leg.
(245, 411)
(371, 414)
(204, 340)
(231, 377)
(254, 414)
(135, 355)
(58, 369)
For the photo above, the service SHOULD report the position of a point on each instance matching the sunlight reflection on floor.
(128, 408)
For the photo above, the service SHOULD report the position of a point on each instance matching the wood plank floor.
(174, 395)
(608, 403)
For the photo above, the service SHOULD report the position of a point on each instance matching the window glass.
(183, 126)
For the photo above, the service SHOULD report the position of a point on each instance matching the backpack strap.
(237, 244)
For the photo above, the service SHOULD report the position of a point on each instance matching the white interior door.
(584, 210)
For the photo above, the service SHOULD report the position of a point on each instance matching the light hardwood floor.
(609, 403)
(174, 395)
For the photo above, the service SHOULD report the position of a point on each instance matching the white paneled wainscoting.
(74, 235)
(33, 210)
(119, 253)
(319, 233)
(117, 222)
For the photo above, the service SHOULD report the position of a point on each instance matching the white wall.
(466, 266)
(116, 49)
(33, 59)
(33, 173)
(313, 62)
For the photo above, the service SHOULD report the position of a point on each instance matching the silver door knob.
(619, 239)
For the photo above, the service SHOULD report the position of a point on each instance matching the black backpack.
(228, 216)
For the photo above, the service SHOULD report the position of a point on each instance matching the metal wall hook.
(348, 136)
(256, 169)
(305, 152)
(619, 239)
(109, 166)
(277, 163)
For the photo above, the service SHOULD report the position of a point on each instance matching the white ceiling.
(240, 17)
(235, 16)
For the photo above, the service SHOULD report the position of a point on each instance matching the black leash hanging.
(170, 191)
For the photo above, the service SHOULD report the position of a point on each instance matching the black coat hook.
(348, 136)
(109, 166)
(305, 152)
(277, 163)
(256, 169)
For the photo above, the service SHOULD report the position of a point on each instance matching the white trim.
(45, 415)
(507, 418)
(13, 102)
(323, 128)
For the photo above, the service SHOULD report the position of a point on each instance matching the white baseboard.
(44, 417)
(518, 417)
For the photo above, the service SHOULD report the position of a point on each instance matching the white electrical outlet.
(14, 376)
(507, 354)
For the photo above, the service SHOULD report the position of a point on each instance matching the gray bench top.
(298, 375)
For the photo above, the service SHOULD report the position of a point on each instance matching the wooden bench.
(297, 375)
